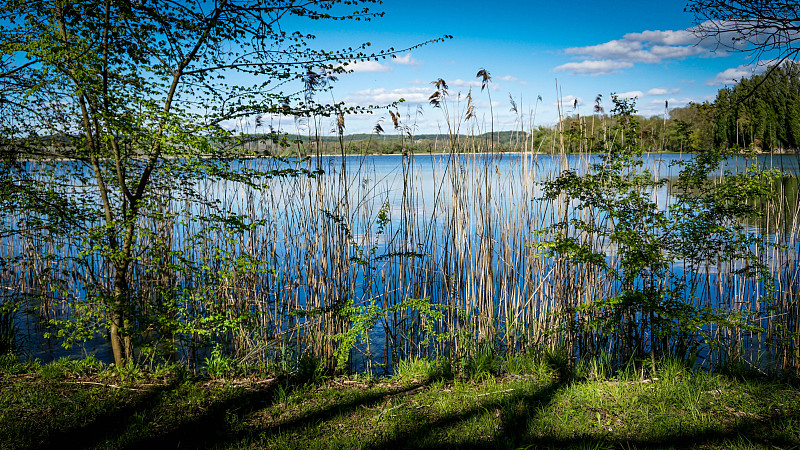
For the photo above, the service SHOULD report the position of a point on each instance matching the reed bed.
(436, 259)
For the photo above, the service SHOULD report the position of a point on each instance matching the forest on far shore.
(761, 113)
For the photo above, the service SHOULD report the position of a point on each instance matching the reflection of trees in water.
(780, 214)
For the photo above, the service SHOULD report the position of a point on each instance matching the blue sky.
(641, 49)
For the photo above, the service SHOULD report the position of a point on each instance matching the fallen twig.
(108, 385)
(495, 392)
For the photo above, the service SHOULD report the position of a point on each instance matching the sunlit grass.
(674, 408)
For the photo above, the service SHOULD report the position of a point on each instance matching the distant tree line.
(762, 111)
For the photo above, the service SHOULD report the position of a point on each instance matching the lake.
(465, 232)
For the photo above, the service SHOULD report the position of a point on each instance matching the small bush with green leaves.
(219, 365)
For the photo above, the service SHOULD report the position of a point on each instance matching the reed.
(310, 257)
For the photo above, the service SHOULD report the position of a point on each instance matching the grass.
(424, 406)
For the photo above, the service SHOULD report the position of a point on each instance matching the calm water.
(419, 192)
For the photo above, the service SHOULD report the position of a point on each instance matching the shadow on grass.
(230, 420)
(110, 423)
(223, 423)
(515, 432)
(428, 434)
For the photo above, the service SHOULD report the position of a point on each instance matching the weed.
(671, 369)
(311, 369)
(129, 372)
(521, 363)
(411, 368)
(65, 368)
(491, 412)
(596, 368)
(11, 365)
(219, 366)
(178, 373)
(559, 361)
(441, 370)
(481, 363)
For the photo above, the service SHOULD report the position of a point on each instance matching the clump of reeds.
(464, 232)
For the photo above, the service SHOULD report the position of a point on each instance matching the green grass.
(83, 404)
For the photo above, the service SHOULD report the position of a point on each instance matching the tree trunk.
(120, 340)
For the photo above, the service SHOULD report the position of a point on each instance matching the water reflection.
(471, 223)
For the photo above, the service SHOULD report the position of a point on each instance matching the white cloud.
(366, 66)
(405, 60)
(649, 47)
(636, 51)
(590, 67)
(663, 91)
(616, 50)
(666, 37)
(734, 74)
(657, 91)
(382, 96)
(631, 94)
(463, 83)
(568, 101)
(511, 78)
(662, 52)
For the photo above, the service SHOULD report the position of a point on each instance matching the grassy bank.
(528, 403)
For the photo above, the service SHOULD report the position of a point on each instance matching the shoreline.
(418, 153)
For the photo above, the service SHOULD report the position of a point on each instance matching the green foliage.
(595, 368)
(172, 372)
(8, 333)
(509, 412)
(411, 368)
(362, 319)
(761, 112)
(424, 370)
(63, 368)
(11, 364)
(649, 307)
(559, 361)
(311, 369)
(129, 372)
(481, 362)
(219, 366)
(121, 107)
(527, 363)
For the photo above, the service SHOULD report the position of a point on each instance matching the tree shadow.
(427, 432)
(231, 420)
(106, 426)
(222, 424)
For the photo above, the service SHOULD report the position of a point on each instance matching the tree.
(613, 227)
(136, 92)
(759, 27)
(772, 118)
